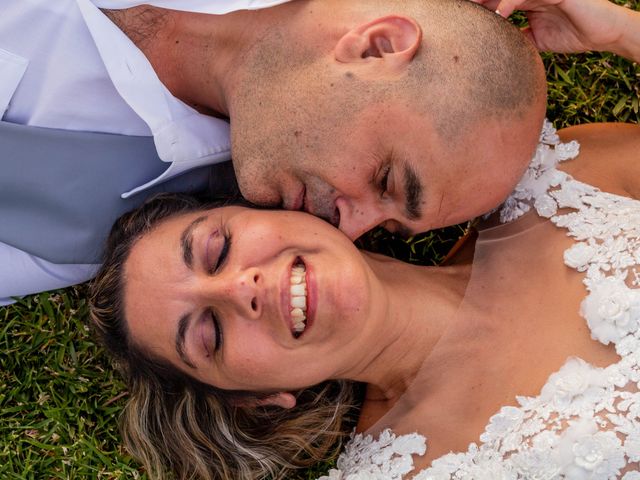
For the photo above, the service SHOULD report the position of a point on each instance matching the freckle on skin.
(348, 75)
(456, 58)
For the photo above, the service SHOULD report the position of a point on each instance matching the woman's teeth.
(298, 298)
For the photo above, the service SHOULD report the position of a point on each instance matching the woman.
(177, 423)
(229, 322)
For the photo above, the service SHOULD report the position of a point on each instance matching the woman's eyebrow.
(183, 325)
(186, 240)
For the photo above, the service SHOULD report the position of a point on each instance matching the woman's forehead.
(153, 282)
(156, 261)
(174, 226)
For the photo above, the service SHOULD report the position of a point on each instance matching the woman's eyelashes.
(224, 252)
(217, 332)
(217, 250)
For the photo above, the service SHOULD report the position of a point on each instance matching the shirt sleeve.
(23, 274)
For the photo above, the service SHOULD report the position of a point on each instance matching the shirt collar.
(182, 136)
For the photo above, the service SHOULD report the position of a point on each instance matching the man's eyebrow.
(412, 193)
(186, 240)
(183, 325)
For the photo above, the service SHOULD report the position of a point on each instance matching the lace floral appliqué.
(385, 458)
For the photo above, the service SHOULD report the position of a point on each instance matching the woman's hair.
(182, 428)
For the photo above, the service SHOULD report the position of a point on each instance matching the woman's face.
(252, 300)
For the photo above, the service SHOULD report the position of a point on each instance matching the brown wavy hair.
(178, 427)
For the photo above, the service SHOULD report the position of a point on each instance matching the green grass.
(59, 397)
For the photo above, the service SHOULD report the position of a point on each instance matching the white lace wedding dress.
(585, 423)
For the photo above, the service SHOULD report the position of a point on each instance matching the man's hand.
(571, 26)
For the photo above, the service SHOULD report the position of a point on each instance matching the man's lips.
(328, 210)
(303, 203)
(298, 202)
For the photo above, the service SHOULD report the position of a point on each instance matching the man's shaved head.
(319, 111)
(408, 113)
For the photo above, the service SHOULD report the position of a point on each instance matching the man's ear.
(390, 42)
(280, 399)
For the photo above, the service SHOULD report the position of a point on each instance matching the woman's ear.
(281, 399)
(390, 42)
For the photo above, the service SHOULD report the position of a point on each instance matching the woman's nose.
(239, 290)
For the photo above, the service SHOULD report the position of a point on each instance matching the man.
(349, 110)
(337, 106)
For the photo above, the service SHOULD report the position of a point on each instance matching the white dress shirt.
(64, 64)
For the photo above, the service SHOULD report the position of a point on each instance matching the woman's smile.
(299, 303)
(294, 290)
(253, 286)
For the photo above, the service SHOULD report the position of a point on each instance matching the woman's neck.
(422, 306)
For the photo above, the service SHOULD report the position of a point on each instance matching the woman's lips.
(312, 297)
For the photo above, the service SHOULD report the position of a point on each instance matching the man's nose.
(357, 218)
(240, 291)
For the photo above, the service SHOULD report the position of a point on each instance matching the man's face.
(384, 165)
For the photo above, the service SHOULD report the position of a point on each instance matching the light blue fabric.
(60, 191)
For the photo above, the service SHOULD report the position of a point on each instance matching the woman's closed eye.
(217, 331)
(211, 333)
(217, 250)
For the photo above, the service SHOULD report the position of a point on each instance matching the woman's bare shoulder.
(609, 156)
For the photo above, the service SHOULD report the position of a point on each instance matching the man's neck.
(196, 56)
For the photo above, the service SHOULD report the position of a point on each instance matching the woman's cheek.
(255, 361)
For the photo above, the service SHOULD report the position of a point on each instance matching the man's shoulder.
(609, 154)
